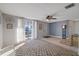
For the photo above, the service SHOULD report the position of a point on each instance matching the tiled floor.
(57, 41)
(42, 48)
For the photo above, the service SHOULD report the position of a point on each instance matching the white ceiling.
(39, 11)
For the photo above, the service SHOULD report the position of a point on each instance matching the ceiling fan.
(49, 17)
(52, 17)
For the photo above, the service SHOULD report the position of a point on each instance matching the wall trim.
(58, 36)
(55, 36)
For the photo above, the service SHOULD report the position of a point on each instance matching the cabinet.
(75, 39)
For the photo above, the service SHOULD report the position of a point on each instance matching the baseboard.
(55, 36)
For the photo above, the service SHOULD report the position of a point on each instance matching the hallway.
(42, 48)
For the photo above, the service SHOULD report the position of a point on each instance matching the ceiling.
(39, 11)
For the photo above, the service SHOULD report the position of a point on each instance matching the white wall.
(77, 27)
(14, 35)
(42, 32)
(0, 30)
(20, 30)
(9, 35)
(73, 27)
(0, 37)
(34, 30)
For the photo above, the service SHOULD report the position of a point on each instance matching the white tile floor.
(57, 41)
(42, 48)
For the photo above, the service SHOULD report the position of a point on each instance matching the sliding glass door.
(30, 29)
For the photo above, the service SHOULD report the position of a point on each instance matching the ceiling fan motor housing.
(49, 17)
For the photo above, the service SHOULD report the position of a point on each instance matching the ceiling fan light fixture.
(47, 20)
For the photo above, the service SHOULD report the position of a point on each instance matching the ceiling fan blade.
(69, 6)
(54, 18)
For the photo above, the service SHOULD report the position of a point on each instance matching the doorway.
(30, 29)
(64, 31)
